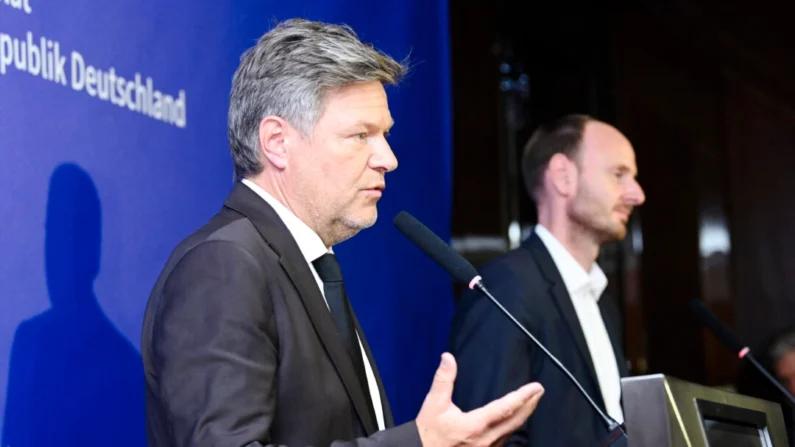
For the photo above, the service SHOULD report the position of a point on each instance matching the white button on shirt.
(312, 247)
(585, 289)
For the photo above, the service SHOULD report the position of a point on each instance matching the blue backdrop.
(97, 185)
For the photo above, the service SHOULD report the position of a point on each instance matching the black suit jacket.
(239, 348)
(495, 357)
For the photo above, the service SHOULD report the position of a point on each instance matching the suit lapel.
(562, 299)
(270, 226)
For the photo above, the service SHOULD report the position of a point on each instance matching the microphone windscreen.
(455, 264)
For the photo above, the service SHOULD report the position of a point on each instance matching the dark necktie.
(328, 268)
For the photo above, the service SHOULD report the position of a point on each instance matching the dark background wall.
(704, 90)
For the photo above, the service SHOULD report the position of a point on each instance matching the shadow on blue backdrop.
(74, 380)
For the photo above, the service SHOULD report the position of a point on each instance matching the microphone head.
(719, 329)
(444, 255)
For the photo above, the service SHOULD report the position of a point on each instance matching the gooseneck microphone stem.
(463, 272)
(611, 423)
(769, 377)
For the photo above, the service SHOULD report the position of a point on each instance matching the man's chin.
(613, 234)
(620, 232)
(362, 221)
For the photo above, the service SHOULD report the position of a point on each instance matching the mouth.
(375, 190)
(624, 214)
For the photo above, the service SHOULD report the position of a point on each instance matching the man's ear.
(562, 175)
(273, 139)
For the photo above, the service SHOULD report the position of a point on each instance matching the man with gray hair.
(249, 338)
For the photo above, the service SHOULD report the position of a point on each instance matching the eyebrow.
(624, 169)
(372, 125)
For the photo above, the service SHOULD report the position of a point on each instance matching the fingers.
(524, 412)
(503, 431)
(503, 416)
(510, 412)
(503, 408)
(441, 392)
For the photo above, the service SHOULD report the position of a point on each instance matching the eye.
(360, 136)
(620, 174)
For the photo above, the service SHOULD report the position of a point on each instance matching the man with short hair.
(581, 174)
(249, 338)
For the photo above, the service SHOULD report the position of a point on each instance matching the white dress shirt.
(312, 247)
(585, 289)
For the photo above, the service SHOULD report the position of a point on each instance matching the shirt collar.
(574, 276)
(310, 244)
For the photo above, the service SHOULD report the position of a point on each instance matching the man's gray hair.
(288, 74)
(782, 345)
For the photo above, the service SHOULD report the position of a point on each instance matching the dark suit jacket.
(495, 357)
(239, 348)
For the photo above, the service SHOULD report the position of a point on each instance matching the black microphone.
(733, 343)
(463, 272)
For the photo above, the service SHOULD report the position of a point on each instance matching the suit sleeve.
(494, 357)
(216, 353)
